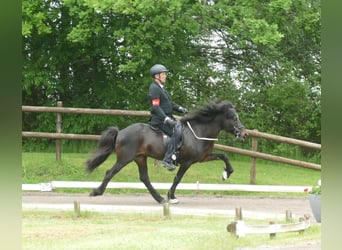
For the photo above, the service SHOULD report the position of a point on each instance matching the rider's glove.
(182, 110)
(170, 121)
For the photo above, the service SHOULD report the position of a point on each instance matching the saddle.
(167, 139)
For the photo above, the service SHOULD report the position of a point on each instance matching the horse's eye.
(229, 115)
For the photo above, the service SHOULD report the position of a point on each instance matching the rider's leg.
(177, 134)
(171, 147)
(169, 151)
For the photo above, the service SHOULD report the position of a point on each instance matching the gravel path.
(298, 206)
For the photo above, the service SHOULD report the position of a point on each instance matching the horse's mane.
(208, 112)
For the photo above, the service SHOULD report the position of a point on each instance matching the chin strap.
(197, 137)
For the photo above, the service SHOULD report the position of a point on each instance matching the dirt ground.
(298, 206)
(254, 207)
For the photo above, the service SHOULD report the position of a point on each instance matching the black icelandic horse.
(138, 141)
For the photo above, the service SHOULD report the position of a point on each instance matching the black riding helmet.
(157, 69)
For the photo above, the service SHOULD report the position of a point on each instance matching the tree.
(98, 53)
(271, 52)
(263, 56)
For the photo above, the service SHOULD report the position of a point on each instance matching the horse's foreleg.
(108, 176)
(143, 172)
(171, 194)
(228, 169)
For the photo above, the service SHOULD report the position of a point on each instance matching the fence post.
(238, 213)
(77, 208)
(272, 225)
(59, 130)
(253, 162)
(166, 210)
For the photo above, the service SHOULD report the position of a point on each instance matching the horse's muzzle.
(241, 135)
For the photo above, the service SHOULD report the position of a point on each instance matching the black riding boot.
(169, 151)
(171, 148)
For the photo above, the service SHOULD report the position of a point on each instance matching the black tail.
(106, 146)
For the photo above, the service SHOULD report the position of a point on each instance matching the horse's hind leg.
(143, 172)
(109, 175)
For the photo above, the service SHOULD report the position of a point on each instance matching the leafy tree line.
(262, 55)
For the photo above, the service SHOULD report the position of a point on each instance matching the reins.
(197, 137)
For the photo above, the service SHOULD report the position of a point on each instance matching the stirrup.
(169, 166)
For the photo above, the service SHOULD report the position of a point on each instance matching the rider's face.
(161, 77)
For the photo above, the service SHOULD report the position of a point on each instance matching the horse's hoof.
(225, 174)
(173, 201)
(94, 193)
(163, 201)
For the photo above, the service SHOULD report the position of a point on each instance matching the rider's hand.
(183, 110)
(170, 121)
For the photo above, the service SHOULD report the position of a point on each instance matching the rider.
(161, 113)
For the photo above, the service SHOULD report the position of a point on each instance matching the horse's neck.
(208, 130)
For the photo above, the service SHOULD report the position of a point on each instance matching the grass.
(62, 230)
(42, 167)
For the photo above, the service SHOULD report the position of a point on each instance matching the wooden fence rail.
(28, 134)
(84, 111)
(268, 157)
(240, 229)
(253, 133)
(250, 153)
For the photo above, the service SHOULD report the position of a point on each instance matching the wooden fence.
(240, 229)
(59, 110)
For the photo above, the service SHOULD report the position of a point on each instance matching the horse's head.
(221, 115)
(233, 124)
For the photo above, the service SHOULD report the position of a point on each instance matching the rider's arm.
(155, 96)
